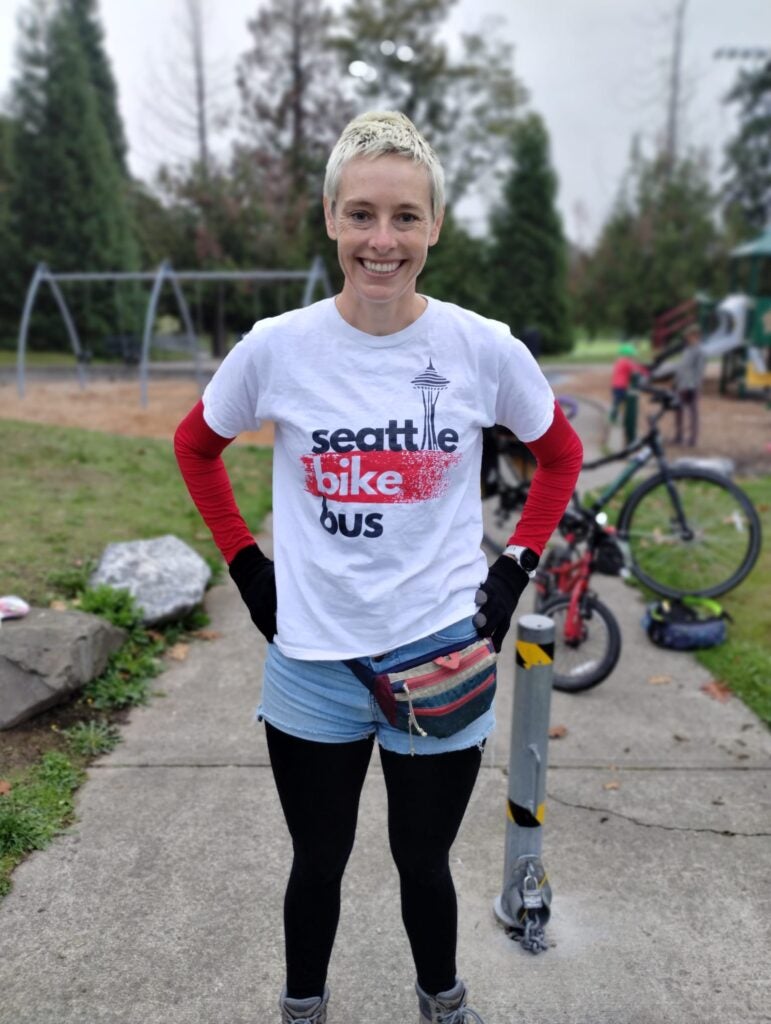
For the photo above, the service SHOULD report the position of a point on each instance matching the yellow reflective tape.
(524, 817)
(529, 654)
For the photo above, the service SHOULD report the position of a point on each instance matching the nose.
(383, 238)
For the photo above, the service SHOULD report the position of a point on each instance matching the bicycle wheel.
(581, 664)
(717, 549)
(569, 406)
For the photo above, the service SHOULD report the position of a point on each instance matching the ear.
(329, 219)
(436, 227)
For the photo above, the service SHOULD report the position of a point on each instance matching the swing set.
(314, 276)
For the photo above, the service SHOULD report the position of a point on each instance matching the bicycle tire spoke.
(717, 544)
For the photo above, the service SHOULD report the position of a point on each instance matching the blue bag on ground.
(686, 624)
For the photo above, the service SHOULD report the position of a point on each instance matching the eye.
(407, 218)
(359, 216)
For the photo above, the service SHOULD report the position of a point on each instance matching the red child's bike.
(587, 635)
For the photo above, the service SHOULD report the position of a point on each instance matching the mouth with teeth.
(373, 267)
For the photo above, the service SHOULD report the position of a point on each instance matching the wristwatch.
(525, 558)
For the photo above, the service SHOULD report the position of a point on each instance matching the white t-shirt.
(377, 519)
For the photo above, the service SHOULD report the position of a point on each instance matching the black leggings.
(319, 785)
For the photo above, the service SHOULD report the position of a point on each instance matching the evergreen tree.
(69, 199)
(528, 252)
(748, 155)
(659, 246)
(10, 301)
(85, 19)
(457, 268)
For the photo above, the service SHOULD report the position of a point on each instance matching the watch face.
(528, 560)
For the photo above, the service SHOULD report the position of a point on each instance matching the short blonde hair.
(379, 133)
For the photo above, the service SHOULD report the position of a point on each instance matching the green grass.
(39, 804)
(744, 661)
(8, 359)
(38, 360)
(598, 350)
(39, 800)
(66, 493)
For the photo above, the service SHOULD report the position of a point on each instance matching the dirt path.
(111, 407)
(739, 429)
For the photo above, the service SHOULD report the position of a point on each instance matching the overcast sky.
(595, 69)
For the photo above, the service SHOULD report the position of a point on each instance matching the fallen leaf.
(155, 635)
(58, 606)
(658, 680)
(207, 634)
(717, 691)
(5, 787)
(557, 732)
(179, 651)
(612, 785)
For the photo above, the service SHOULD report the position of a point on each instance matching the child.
(688, 377)
(623, 368)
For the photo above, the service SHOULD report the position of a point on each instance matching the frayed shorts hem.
(394, 740)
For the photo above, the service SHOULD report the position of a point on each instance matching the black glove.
(497, 598)
(254, 575)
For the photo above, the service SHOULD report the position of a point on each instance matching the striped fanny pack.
(438, 694)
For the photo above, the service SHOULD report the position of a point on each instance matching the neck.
(379, 319)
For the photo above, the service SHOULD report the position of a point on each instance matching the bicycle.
(587, 637)
(685, 530)
(681, 511)
(688, 531)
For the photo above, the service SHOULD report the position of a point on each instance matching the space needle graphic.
(429, 383)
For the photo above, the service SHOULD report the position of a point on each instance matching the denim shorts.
(324, 701)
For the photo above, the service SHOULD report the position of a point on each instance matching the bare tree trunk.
(195, 15)
(675, 78)
(298, 92)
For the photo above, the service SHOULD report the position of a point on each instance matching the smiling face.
(383, 225)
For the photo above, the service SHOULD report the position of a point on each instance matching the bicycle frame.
(646, 448)
(573, 578)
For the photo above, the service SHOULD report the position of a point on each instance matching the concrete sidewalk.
(162, 905)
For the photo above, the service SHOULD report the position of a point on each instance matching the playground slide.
(728, 335)
(732, 315)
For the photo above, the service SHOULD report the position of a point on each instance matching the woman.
(378, 396)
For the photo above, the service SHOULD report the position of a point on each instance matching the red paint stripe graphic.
(373, 478)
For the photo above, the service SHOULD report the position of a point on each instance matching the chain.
(532, 939)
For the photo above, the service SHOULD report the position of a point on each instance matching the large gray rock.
(164, 575)
(48, 655)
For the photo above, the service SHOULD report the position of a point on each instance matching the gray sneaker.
(446, 1007)
(304, 1011)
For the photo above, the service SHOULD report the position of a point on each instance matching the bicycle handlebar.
(668, 398)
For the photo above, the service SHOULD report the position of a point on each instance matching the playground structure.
(314, 276)
(737, 329)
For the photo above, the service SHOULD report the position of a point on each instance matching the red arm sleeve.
(559, 454)
(199, 456)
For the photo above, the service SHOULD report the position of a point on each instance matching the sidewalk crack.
(648, 824)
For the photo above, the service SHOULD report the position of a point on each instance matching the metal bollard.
(523, 906)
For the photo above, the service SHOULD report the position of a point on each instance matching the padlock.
(532, 897)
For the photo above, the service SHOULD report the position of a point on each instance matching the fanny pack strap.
(377, 686)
